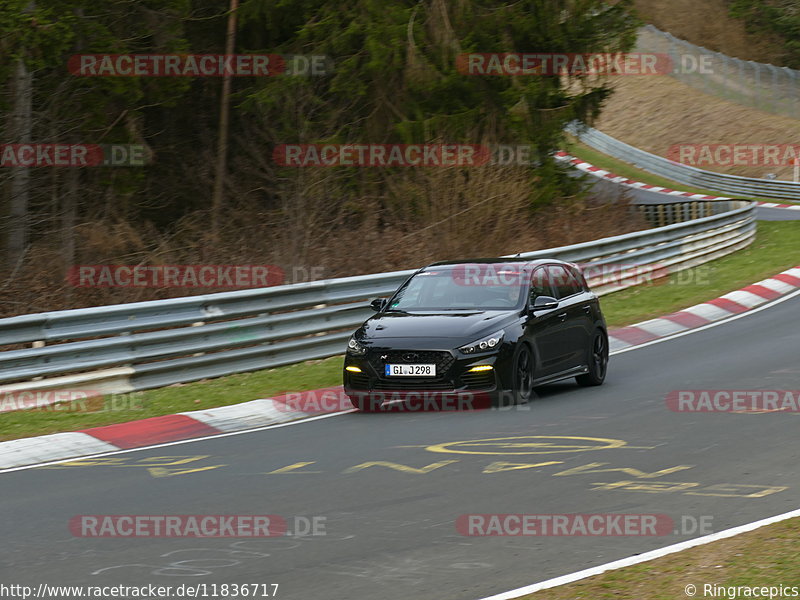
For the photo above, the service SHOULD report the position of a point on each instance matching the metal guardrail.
(145, 345)
(685, 174)
(763, 86)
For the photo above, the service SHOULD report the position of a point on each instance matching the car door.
(590, 306)
(544, 329)
(575, 312)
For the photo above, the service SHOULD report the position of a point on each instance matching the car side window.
(583, 286)
(564, 283)
(540, 284)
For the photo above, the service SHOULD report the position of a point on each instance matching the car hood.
(460, 325)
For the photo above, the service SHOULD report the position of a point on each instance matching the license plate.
(410, 370)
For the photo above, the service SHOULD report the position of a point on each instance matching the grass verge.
(120, 408)
(618, 167)
(776, 248)
(766, 557)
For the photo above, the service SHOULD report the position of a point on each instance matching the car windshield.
(463, 287)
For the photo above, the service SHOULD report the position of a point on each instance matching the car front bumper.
(455, 384)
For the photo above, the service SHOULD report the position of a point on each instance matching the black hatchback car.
(491, 328)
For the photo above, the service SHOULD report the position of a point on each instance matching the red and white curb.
(776, 205)
(172, 428)
(726, 306)
(589, 168)
(289, 407)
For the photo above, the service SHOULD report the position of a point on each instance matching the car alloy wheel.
(523, 376)
(598, 361)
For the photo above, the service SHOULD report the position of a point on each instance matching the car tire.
(597, 359)
(522, 379)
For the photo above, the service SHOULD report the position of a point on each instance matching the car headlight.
(485, 344)
(355, 348)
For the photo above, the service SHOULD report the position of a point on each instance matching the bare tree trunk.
(21, 123)
(69, 202)
(69, 210)
(224, 123)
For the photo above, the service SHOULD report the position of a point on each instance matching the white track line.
(640, 558)
(308, 420)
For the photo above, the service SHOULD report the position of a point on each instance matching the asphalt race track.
(766, 213)
(390, 527)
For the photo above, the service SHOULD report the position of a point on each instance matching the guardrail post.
(198, 324)
(319, 333)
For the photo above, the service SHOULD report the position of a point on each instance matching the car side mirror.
(544, 303)
(378, 304)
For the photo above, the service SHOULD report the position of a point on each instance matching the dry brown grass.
(654, 113)
(706, 23)
(427, 215)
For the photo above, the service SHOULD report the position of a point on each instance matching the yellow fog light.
(353, 369)
(481, 368)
